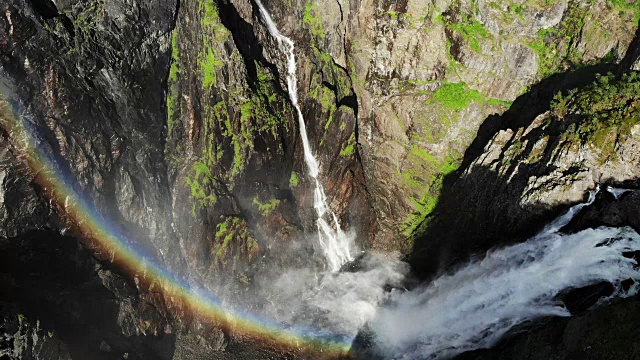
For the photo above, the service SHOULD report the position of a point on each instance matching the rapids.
(468, 308)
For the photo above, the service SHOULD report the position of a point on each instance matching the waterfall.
(470, 307)
(476, 305)
(618, 192)
(334, 242)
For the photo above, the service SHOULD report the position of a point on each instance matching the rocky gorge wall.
(172, 117)
(394, 93)
(428, 74)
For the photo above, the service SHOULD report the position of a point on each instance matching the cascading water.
(334, 242)
(470, 308)
(478, 304)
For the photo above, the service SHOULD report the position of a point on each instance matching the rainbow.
(128, 257)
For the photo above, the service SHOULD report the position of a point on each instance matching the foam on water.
(479, 303)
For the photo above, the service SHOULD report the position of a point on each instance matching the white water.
(333, 304)
(618, 192)
(470, 308)
(334, 242)
(478, 304)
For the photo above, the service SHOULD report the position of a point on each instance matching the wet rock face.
(604, 333)
(89, 74)
(611, 210)
(23, 340)
(88, 78)
(235, 159)
(21, 207)
(231, 139)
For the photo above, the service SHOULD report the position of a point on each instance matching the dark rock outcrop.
(601, 334)
(59, 302)
(533, 162)
(525, 168)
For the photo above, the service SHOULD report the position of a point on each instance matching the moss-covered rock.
(427, 74)
(521, 175)
(231, 130)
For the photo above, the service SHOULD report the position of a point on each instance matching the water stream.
(476, 305)
(470, 308)
(337, 246)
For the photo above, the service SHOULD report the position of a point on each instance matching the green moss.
(257, 115)
(173, 100)
(498, 102)
(349, 148)
(231, 116)
(456, 96)
(210, 21)
(549, 51)
(430, 188)
(421, 154)
(212, 33)
(602, 114)
(517, 9)
(327, 70)
(329, 121)
(209, 65)
(233, 230)
(413, 179)
(252, 245)
(627, 7)
(513, 152)
(203, 182)
(266, 208)
(224, 236)
(85, 22)
(327, 95)
(89, 16)
(312, 20)
(293, 180)
(555, 47)
(200, 185)
(322, 94)
(175, 57)
(471, 31)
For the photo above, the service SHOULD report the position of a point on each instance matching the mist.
(471, 307)
(478, 304)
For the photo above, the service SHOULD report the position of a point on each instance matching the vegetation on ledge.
(602, 114)
(233, 230)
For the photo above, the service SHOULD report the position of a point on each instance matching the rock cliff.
(437, 125)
